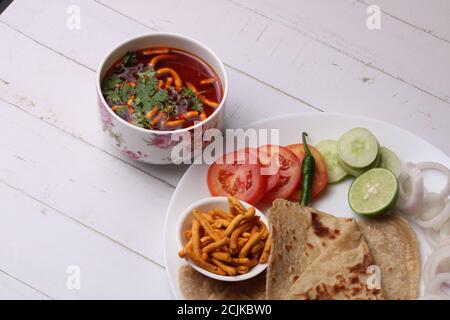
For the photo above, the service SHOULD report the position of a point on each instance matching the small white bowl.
(206, 204)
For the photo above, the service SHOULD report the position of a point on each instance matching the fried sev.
(227, 243)
(254, 238)
(196, 237)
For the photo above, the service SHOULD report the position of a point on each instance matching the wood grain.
(395, 50)
(314, 69)
(430, 17)
(97, 190)
(39, 244)
(14, 289)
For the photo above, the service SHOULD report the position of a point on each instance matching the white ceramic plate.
(408, 147)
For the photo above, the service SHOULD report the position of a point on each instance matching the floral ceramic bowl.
(147, 145)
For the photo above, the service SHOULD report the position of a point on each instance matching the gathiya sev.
(227, 243)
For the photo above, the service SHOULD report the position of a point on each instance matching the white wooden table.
(69, 200)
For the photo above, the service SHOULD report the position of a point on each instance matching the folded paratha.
(196, 286)
(394, 248)
(316, 256)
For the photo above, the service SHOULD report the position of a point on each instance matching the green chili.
(308, 169)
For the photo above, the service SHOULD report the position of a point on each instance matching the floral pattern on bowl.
(135, 155)
(108, 125)
(162, 141)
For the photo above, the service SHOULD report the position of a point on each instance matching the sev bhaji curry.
(162, 89)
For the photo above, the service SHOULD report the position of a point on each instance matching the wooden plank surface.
(69, 198)
(394, 50)
(82, 183)
(306, 69)
(314, 69)
(429, 16)
(14, 289)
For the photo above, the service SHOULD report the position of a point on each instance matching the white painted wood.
(39, 244)
(63, 95)
(72, 177)
(79, 101)
(430, 16)
(397, 49)
(327, 79)
(311, 70)
(13, 289)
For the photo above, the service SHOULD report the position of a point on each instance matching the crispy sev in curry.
(162, 89)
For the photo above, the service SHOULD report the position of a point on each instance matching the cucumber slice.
(358, 147)
(328, 149)
(389, 160)
(356, 172)
(373, 192)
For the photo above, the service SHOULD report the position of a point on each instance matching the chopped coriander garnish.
(110, 83)
(129, 59)
(133, 83)
(198, 107)
(126, 91)
(195, 102)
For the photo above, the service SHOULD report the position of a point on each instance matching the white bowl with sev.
(231, 236)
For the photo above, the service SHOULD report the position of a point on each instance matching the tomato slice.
(288, 168)
(320, 180)
(238, 174)
(272, 181)
(271, 169)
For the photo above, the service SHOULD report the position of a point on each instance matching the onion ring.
(434, 286)
(445, 192)
(434, 264)
(443, 242)
(412, 201)
(432, 237)
(439, 219)
(430, 211)
(444, 231)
